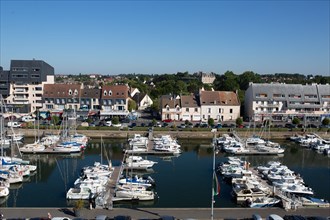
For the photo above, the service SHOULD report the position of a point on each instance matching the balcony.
(20, 91)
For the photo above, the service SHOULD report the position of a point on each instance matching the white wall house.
(191, 110)
(143, 101)
(219, 105)
(170, 108)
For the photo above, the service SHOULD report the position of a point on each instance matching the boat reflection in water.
(190, 174)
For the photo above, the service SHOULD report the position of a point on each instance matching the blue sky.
(156, 37)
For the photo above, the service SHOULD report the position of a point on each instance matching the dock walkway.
(289, 201)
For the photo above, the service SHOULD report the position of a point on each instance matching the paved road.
(155, 213)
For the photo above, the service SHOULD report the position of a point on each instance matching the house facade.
(191, 109)
(114, 101)
(142, 100)
(283, 102)
(61, 96)
(218, 105)
(170, 108)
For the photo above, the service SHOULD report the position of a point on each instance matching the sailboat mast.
(101, 150)
(213, 171)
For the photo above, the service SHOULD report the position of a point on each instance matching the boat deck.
(289, 201)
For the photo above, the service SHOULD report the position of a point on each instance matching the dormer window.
(76, 92)
(110, 93)
(70, 92)
(105, 92)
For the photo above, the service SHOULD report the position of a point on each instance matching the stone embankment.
(176, 134)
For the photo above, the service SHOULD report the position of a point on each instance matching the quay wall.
(176, 134)
(155, 213)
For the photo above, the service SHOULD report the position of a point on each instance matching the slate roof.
(170, 101)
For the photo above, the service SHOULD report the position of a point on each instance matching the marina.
(64, 170)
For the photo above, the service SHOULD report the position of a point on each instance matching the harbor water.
(181, 182)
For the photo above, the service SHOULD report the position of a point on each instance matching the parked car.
(218, 125)
(116, 125)
(14, 124)
(27, 118)
(289, 125)
(108, 123)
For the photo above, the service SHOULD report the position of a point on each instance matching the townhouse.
(218, 105)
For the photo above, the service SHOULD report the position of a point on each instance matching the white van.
(27, 118)
(14, 124)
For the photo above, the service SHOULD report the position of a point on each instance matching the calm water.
(183, 181)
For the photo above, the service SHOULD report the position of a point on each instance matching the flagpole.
(213, 172)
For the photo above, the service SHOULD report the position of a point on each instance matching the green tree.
(131, 105)
(326, 121)
(154, 122)
(55, 119)
(210, 122)
(155, 106)
(239, 121)
(115, 120)
(246, 78)
(226, 82)
(296, 121)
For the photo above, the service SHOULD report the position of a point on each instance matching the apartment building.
(285, 101)
(4, 83)
(25, 80)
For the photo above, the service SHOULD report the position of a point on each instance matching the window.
(70, 92)
(261, 95)
(294, 96)
(187, 109)
(110, 93)
(231, 110)
(105, 93)
(196, 109)
(209, 110)
(167, 108)
(75, 92)
(278, 95)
